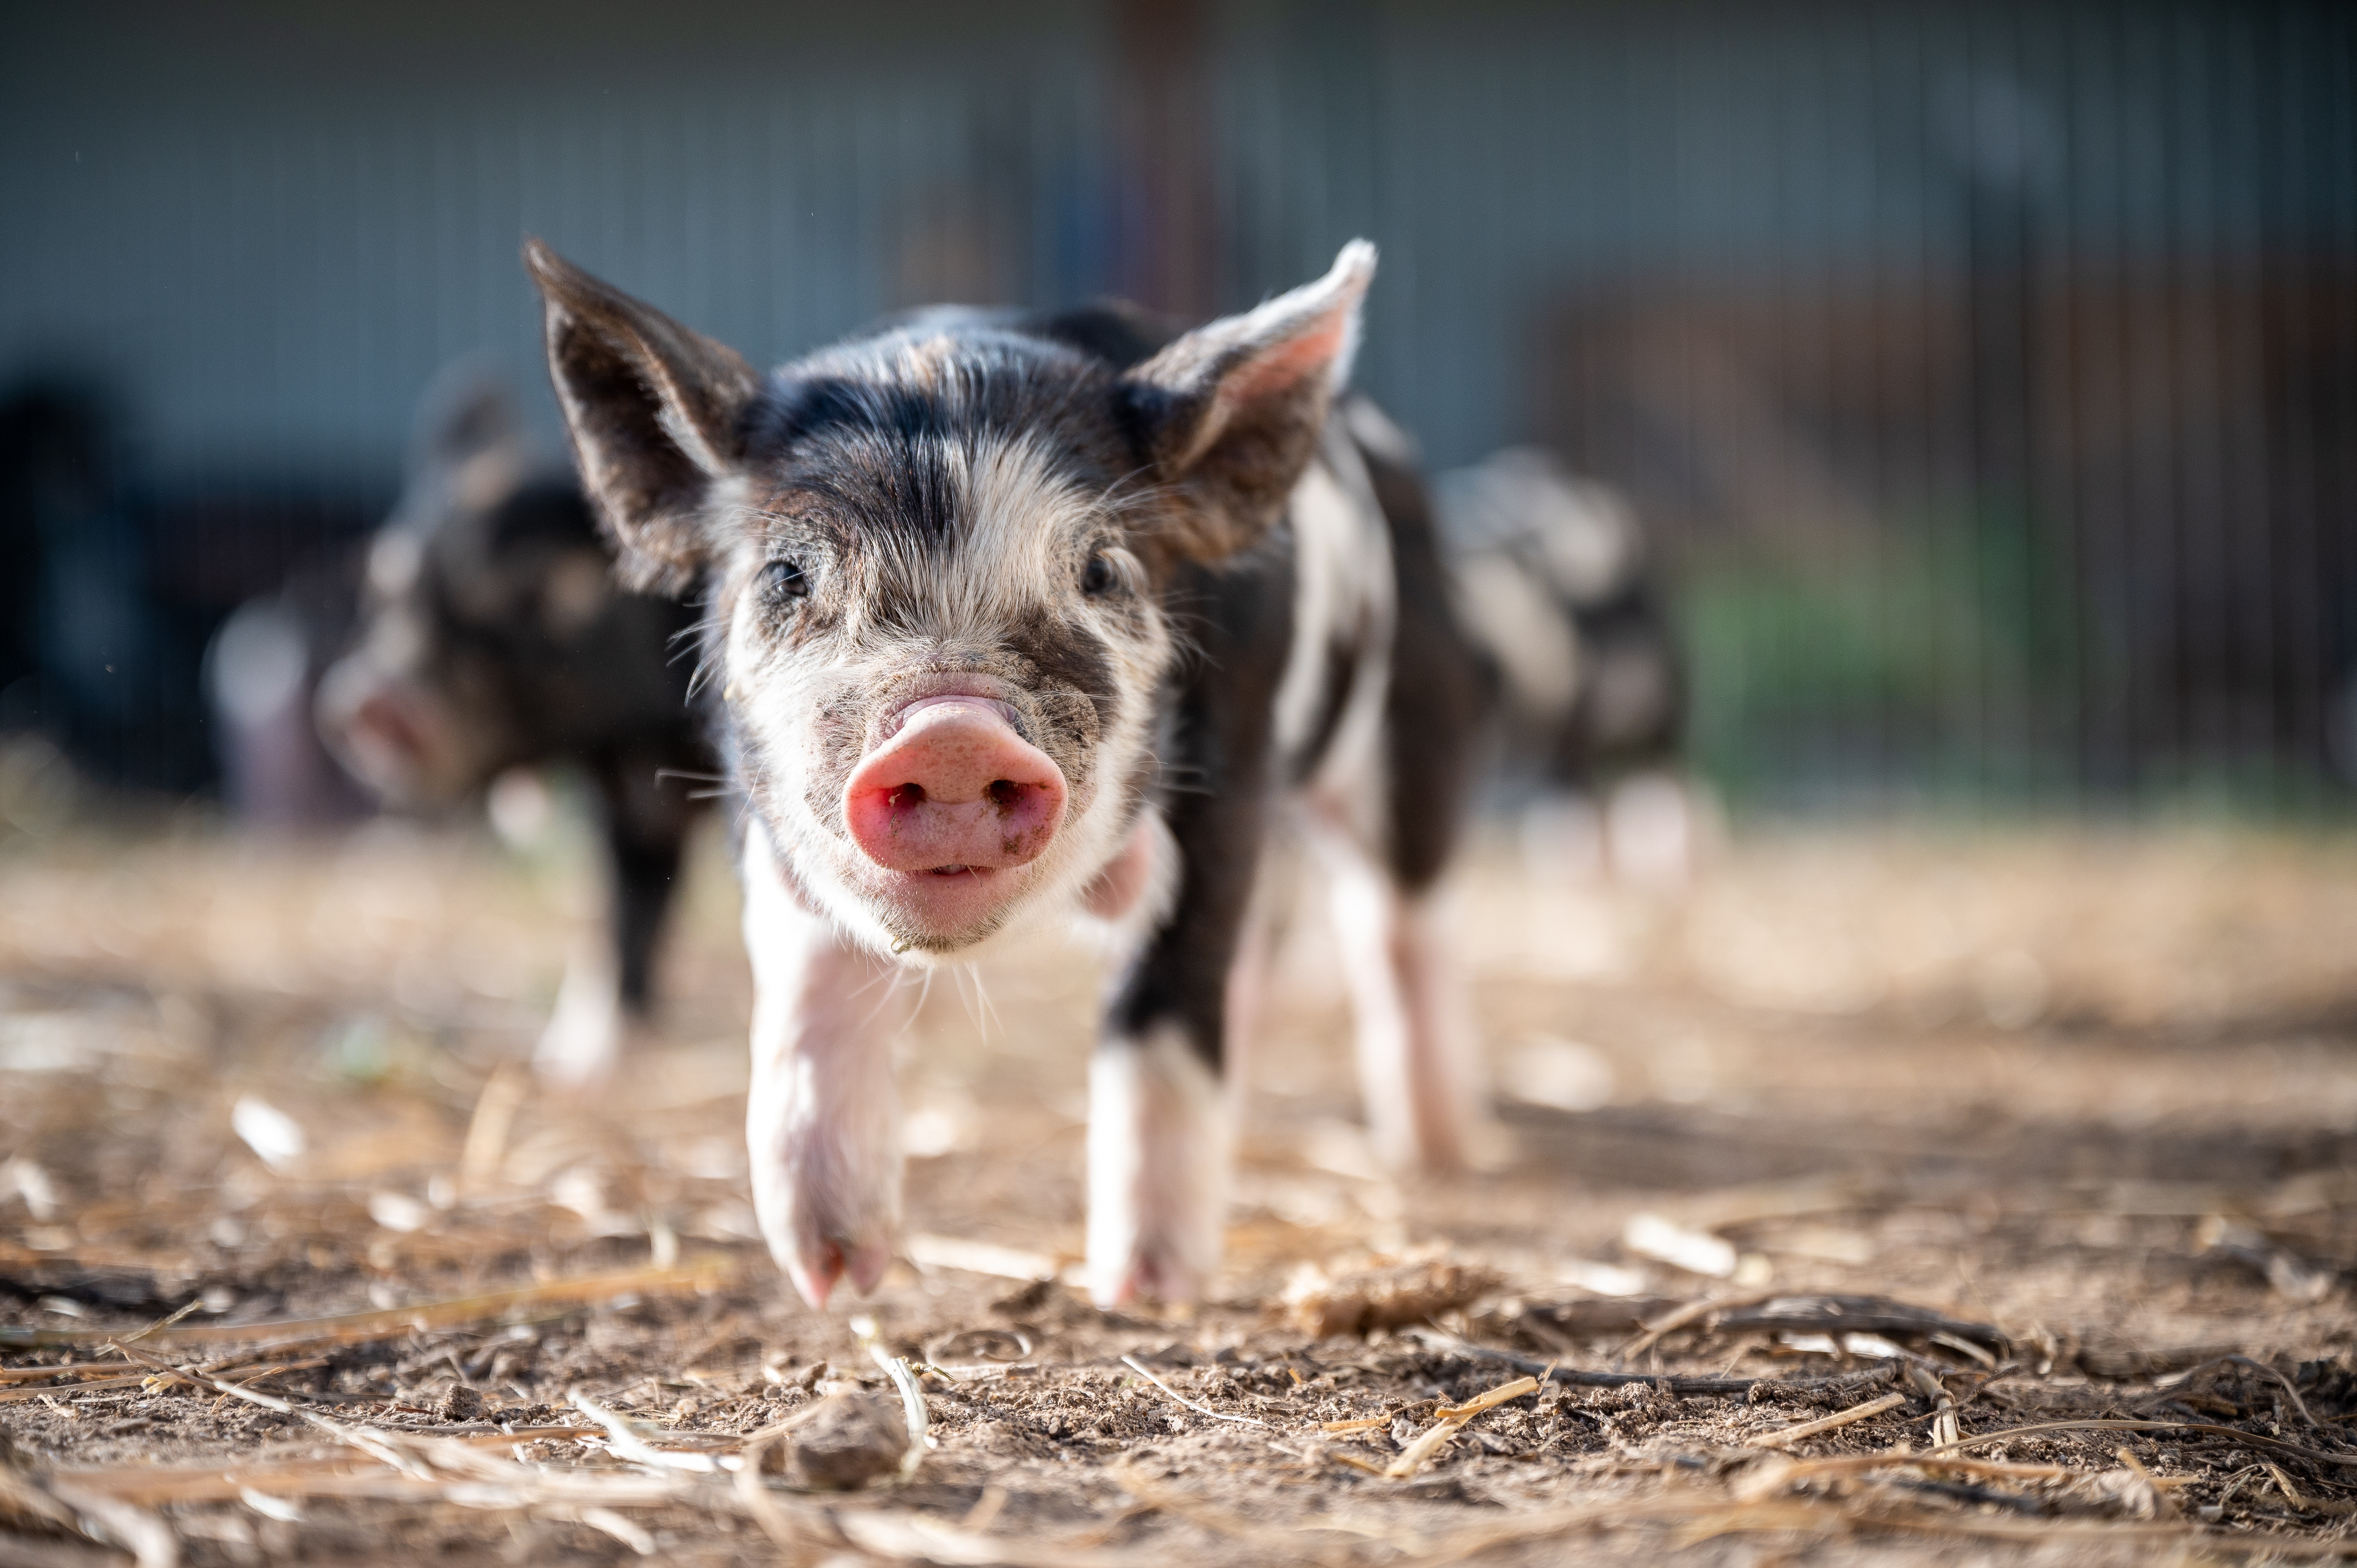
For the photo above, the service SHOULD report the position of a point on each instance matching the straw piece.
(986, 1509)
(1443, 1431)
(2296, 1499)
(487, 1129)
(167, 1322)
(391, 1323)
(148, 1538)
(1962, 1346)
(978, 1258)
(2290, 1392)
(1554, 1371)
(1734, 1206)
(2156, 1499)
(362, 1438)
(1135, 1365)
(2211, 1428)
(1775, 1474)
(1367, 1423)
(1693, 1312)
(1496, 1396)
(91, 1385)
(897, 1537)
(13, 1396)
(69, 1369)
(620, 1529)
(625, 1443)
(1826, 1422)
(1416, 1455)
(220, 1482)
(913, 1398)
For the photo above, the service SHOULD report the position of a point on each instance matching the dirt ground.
(1975, 1132)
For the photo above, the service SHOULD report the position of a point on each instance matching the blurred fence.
(1989, 370)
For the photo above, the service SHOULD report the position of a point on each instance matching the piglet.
(1018, 617)
(491, 637)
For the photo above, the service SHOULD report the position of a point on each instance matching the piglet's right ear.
(1231, 412)
(653, 410)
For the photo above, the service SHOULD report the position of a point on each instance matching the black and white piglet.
(1016, 617)
(492, 635)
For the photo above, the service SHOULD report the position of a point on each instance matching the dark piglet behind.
(492, 636)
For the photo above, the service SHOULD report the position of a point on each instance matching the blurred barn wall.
(1991, 370)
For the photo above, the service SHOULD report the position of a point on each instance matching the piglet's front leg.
(823, 1120)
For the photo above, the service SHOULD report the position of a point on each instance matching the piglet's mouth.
(949, 800)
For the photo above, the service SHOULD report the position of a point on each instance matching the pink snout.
(954, 789)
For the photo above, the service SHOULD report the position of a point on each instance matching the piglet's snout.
(954, 789)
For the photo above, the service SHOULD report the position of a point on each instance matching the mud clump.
(846, 1441)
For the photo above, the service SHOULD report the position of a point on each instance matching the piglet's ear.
(468, 446)
(467, 410)
(653, 410)
(1232, 411)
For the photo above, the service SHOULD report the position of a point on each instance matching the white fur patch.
(1017, 548)
(1525, 630)
(1345, 595)
(586, 1029)
(1159, 1144)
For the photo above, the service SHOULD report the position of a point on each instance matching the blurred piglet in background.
(1555, 581)
(262, 673)
(491, 637)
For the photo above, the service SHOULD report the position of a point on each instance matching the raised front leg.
(822, 1122)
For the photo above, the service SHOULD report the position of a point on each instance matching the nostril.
(1004, 793)
(906, 795)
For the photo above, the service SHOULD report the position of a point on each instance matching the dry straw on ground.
(2063, 1287)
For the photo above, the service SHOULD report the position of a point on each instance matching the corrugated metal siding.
(1990, 366)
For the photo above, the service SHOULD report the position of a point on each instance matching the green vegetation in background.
(1935, 659)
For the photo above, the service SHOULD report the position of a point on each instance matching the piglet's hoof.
(816, 1267)
(1162, 1277)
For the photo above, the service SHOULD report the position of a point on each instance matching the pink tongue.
(956, 789)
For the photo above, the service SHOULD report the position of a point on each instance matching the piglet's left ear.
(1231, 411)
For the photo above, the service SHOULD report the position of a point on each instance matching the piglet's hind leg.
(1417, 1066)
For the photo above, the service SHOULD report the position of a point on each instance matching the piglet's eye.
(783, 581)
(1099, 576)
